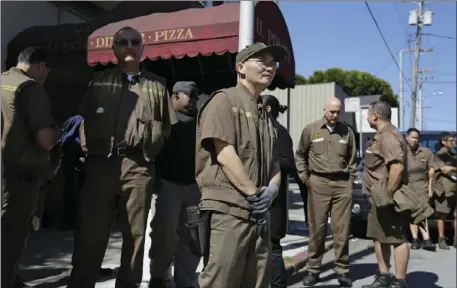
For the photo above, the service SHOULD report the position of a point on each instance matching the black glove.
(261, 202)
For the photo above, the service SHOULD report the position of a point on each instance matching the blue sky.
(342, 34)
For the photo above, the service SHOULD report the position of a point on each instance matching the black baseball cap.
(278, 52)
(187, 87)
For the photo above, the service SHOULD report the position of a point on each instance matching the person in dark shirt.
(279, 209)
(177, 190)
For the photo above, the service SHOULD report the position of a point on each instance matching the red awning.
(195, 32)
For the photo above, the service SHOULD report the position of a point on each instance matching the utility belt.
(24, 177)
(332, 175)
(23, 174)
(121, 149)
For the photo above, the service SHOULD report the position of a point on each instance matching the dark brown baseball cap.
(278, 52)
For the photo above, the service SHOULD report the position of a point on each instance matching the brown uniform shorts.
(444, 204)
(387, 226)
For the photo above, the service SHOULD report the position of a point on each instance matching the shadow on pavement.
(297, 228)
(295, 245)
(422, 279)
(297, 277)
(47, 249)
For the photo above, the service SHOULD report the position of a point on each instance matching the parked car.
(360, 205)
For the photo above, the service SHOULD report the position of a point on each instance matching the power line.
(385, 43)
(440, 36)
(441, 82)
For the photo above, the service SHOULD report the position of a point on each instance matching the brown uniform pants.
(169, 238)
(334, 196)
(238, 257)
(112, 185)
(20, 193)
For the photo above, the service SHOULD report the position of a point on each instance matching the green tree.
(299, 79)
(355, 83)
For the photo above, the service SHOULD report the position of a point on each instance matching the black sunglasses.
(125, 42)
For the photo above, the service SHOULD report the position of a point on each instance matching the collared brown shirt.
(387, 146)
(117, 111)
(445, 181)
(26, 110)
(240, 124)
(323, 151)
(420, 162)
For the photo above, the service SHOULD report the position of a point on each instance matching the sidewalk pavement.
(47, 260)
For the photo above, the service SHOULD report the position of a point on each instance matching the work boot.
(398, 283)
(310, 279)
(380, 281)
(344, 280)
(158, 283)
(416, 244)
(428, 245)
(442, 243)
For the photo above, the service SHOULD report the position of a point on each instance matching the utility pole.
(419, 19)
(402, 79)
(246, 24)
(420, 105)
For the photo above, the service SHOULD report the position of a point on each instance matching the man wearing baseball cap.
(237, 171)
(177, 190)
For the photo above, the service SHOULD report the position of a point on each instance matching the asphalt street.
(47, 259)
(426, 269)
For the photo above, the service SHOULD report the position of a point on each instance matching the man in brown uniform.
(385, 158)
(325, 160)
(237, 171)
(445, 188)
(126, 117)
(28, 134)
(421, 171)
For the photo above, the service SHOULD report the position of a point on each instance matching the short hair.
(411, 130)
(444, 136)
(32, 55)
(125, 28)
(381, 108)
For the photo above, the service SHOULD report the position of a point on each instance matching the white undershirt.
(330, 128)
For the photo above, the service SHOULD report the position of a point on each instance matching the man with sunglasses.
(445, 188)
(237, 170)
(29, 133)
(126, 115)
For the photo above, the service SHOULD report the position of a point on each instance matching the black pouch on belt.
(198, 227)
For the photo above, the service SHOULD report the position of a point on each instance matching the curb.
(297, 262)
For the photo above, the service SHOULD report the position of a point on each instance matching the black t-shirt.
(176, 160)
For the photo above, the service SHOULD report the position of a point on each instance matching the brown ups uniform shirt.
(121, 114)
(387, 146)
(419, 164)
(25, 111)
(323, 152)
(232, 115)
(443, 183)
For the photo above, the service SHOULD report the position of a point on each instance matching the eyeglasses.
(450, 140)
(266, 64)
(125, 42)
